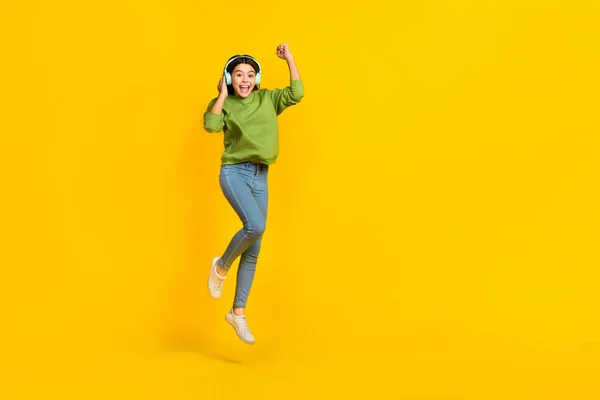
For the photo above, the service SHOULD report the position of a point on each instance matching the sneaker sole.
(230, 322)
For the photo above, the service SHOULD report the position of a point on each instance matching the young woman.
(247, 115)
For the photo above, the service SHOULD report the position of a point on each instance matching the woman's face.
(243, 79)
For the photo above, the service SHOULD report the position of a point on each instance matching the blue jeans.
(245, 188)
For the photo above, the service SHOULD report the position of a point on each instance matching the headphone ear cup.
(257, 81)
(228, 78)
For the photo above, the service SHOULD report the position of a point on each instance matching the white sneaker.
(241, 327)
(215, 281)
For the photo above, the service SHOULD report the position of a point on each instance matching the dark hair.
(243, 59)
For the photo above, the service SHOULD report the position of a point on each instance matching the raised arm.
(292, 94)
(283, 51)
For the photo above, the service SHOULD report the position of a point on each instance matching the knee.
(255, 228)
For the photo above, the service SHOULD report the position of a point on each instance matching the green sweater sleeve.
(283, 98)
(213, 122)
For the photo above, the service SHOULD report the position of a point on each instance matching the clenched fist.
(283, 52)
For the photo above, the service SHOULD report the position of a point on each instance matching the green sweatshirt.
(250, 125)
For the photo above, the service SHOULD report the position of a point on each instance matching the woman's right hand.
(222, 87)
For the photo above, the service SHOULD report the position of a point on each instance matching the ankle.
(238, 311)
(220, 270)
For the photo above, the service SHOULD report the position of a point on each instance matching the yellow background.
(433, 222)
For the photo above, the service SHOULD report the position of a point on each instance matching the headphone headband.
(243, 56)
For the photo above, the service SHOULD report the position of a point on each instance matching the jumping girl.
(247, 115)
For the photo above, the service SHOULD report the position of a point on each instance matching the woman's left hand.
(283, 51)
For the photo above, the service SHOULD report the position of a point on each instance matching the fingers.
(282, 50)
(222, 86)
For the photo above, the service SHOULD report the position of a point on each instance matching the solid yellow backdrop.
(433, 217)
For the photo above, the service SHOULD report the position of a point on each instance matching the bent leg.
(235, 181)
(248, 260)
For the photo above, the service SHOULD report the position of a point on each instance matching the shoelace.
(244, 325)
(218, 282)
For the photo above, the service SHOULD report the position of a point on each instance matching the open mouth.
(245, 89)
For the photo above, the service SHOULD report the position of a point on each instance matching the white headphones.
(228, 75)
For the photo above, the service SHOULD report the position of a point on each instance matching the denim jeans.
(245, 188)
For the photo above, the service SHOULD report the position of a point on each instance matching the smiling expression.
(243, 80)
